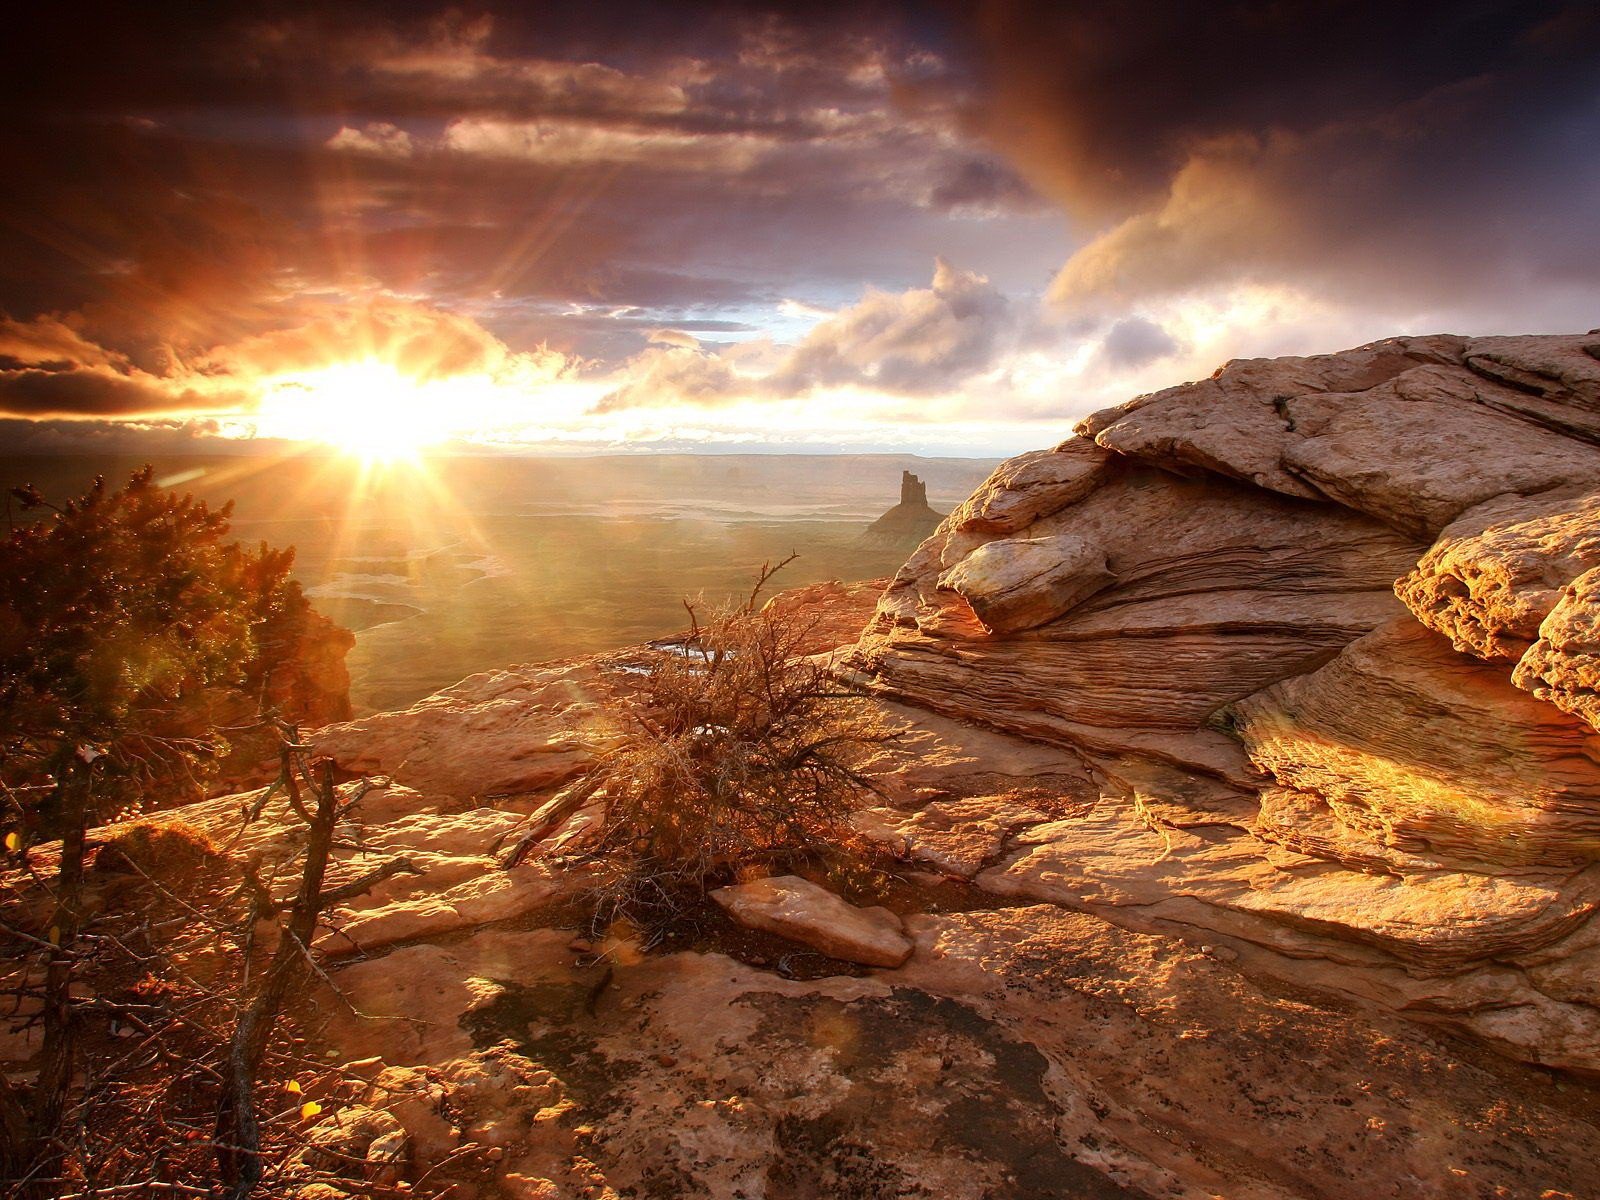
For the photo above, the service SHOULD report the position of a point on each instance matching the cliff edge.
(1247, 760)
(1326, 632)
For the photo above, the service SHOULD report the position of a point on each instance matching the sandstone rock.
(797, 909)
(1552, 380)
(416, 1101)
(413, 999)
(320, 1191)
(1239, 830)
(1432, 753)
(498, 733)
(1031, 486)
(1409, 438)
(1497, 571)
(1231, 424)
(957, 836)
(1022, 1052)
(1416, 452)
(488, 896)
(1022, 583)
(455, 881)
(1219, 591)
(359, 1143)
(909, 521)
(1563, 666)
(1288, 760)
(828, 615)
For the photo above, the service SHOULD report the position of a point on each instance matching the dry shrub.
(165, 851)
(744, 754)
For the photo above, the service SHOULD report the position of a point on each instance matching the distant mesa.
(909, 521)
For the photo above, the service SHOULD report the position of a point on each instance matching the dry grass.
(167, 851)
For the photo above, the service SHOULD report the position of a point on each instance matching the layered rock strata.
(1326, 631)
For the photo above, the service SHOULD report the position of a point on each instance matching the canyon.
(1246, 801)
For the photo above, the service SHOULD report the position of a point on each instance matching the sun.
(368, 408)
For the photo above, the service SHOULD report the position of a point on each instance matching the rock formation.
(909, 521)
(1326, 633)
(1247, 758)
(1028, 1047)
(1244, 737)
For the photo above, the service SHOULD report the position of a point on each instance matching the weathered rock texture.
(1326, 633)
(1177, 957)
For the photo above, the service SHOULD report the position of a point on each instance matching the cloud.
(564, 142)
(103, 391)
(379, 138)
(919, 343)
(122, 436)
(664, 376)
(923, 339)
(982, 188)
(1411, 155)
(48, 340)
(420, 341)
(526, 166)
(48, 369)
(1136, 342)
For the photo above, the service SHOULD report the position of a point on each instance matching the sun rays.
(368, 408)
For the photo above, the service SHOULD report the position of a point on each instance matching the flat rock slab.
(798, 909)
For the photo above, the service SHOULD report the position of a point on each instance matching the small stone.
(798, 909)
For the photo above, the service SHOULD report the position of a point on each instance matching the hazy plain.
(463, 564)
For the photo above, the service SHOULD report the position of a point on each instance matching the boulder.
(798, 909)
(1031, 486)
(1021, 583)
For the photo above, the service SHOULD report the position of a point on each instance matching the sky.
(949, 228)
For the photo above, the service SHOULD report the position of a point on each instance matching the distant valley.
(470, 563)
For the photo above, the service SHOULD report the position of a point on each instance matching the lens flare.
(369, 409)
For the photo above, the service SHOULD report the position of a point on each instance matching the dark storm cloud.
(95, 391)
(1423, 149)
(82, 435)
(983, 186)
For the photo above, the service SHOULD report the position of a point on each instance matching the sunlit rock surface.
(1338, 694)
(1498, 569)
(799, 909)
(496, 733)
(1563, 666)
